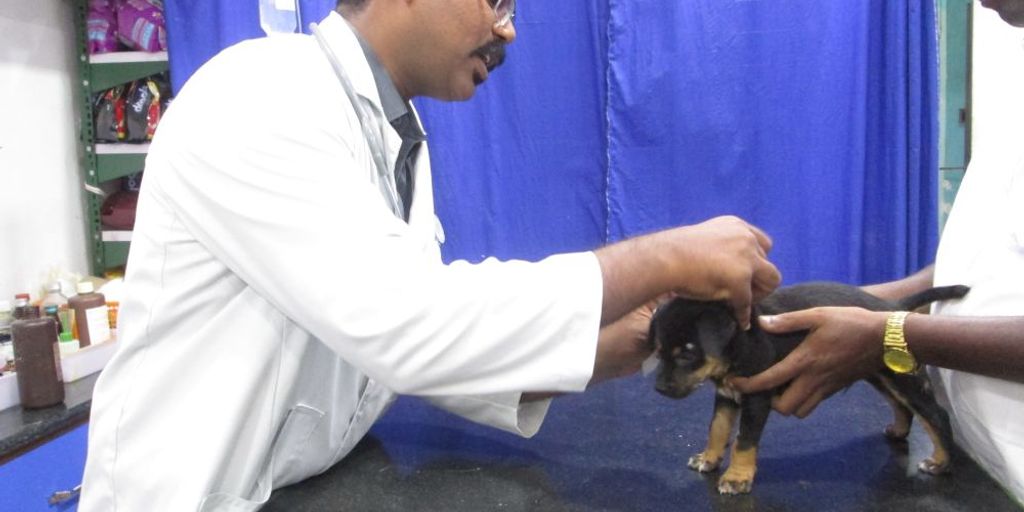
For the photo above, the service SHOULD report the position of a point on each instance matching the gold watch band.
(896, 355)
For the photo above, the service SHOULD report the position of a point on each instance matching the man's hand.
(843, 346)
(622, 346)
(722, 259)
(726, 259)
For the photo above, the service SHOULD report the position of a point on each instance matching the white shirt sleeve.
(278, 192)
(504, 411)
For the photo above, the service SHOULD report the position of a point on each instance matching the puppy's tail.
(931, 295)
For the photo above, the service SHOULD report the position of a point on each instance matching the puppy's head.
(692, 340)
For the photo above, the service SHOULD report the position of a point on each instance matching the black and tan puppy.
(700, 341)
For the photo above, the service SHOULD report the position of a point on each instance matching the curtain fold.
(815, 120)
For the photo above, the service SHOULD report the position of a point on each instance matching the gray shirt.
(399, 113)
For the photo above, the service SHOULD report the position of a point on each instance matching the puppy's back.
(822, 293)
(818, 294)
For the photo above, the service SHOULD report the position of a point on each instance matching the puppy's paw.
(931, 467)
(896, 433)
(738, 479)
(727, 485)
(704, 463)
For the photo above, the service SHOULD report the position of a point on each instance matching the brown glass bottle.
(22, 306)
(37, 359)
(91, 322)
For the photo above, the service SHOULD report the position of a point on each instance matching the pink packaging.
(101, 27)
(141, 25)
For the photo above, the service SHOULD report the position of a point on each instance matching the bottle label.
(99, 324)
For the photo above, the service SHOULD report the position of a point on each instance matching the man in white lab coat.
(975, 345)
(283, 284)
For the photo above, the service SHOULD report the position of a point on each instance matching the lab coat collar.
(344, 41)
(394, 106)
(341, 38)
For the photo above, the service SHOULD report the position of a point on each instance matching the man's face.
(1012, 11)
(466, 46)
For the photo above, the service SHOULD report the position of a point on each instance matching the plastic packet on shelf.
(101, 27)
(142, 106)
(109, 115)
(141, 25)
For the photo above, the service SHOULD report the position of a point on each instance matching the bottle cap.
(50, 309)
(66, 336)
(22, 296)
(84, 287)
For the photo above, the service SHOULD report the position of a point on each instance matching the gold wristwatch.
(896, 355)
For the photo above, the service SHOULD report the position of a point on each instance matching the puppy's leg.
(902, 416)
(939, 461)
(718, 437)
(739, 478)
(915, 392)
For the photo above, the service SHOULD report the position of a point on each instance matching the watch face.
(899, 361)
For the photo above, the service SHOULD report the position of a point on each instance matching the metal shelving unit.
(103, 163)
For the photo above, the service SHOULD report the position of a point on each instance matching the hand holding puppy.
(843, 345)
(724, 259)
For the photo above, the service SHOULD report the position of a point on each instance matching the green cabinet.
(954, 98)
(105, 163)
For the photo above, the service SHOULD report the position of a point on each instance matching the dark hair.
(354, 5)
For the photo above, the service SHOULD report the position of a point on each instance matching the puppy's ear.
(652, 332)
(716, 329)
(660, 320)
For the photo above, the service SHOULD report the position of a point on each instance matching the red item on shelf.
(118, 210)
(110, 117)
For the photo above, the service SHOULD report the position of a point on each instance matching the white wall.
(998, 96)
(42, 227)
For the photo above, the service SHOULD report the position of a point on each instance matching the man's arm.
(992, 346)
(845, 344)
(894, 290)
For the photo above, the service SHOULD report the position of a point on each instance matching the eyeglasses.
(504, 11)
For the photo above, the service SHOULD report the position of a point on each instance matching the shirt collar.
(392, 103)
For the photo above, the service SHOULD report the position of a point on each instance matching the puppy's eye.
(686, 358)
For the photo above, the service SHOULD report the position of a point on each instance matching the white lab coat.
(982, 246)
(274, 303)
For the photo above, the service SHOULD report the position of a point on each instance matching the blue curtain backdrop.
(815, 120)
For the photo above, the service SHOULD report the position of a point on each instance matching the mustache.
(493, 54)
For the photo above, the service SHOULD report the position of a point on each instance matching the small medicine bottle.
(51, 311)
(54, 296)
(91, 323)
(22, 307)
(6, 347)
(6, 317)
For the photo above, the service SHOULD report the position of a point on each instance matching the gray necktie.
(411, 138)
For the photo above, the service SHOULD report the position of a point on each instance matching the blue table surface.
(622, 447)
(617, 447)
